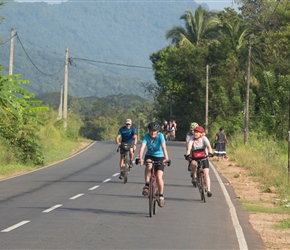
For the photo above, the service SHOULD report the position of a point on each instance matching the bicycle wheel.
(126, 166)
(151, 196)
(155, 202)
(202, 188)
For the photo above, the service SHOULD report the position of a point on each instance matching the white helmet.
(165, 122)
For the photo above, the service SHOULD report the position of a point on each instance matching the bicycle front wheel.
(155, 202)
(126, 166)
(151, 196)
(202, 188)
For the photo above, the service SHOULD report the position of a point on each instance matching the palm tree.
(237, 35)
(198, 27)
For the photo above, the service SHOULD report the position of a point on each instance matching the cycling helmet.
(199, 129)
(165, 122)
(193, 125)
(153, 126)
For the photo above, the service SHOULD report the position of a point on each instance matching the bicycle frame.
(200, 180)
(126, 163)
(153, 192)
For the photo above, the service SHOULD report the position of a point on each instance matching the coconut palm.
(197, 27)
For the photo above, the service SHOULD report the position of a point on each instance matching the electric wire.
(19, 40)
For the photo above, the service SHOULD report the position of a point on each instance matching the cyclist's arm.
(141, 152)
(117, 139)
(164, 149)
(135, 138)
(189, 147)
(209, 149)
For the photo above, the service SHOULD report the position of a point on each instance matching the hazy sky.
(213, 4)
(218, 4)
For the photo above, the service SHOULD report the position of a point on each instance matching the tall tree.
(198, 27)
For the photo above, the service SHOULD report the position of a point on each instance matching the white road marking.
(92, 188)
(106, 180)
(76, 196)
(239, 231)
(15, 226)
(116, 174)
(52, 208)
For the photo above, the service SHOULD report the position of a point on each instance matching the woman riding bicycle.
(156, 151)
(199, 141)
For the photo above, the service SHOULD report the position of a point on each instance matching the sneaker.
(121, 175)
(161, 201)
(194, 181)
(145, 190)
(209, 194)
(130, 164)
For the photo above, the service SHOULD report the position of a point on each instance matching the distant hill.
(116, 37)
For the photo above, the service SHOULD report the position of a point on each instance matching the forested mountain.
(109, 43)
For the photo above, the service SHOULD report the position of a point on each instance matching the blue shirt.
(154, 149)
(127, 134)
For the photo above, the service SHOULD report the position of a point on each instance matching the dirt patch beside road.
(247, 189)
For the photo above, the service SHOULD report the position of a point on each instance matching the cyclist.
(199, 141)
(165, 129)
(127, 134)
(156, 151)
(173, 129)
(190, 135)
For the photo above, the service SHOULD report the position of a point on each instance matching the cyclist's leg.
(122, 157)
(147, 173)
(160, 182)
(121, 164)
(206, 176)
(193, 168)
(131, 155)
(159, 170)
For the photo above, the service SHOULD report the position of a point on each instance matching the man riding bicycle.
(127, 134)
(156, 151)
(199, 141)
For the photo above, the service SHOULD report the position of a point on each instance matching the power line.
(110, 63)
(7, 40)
(19, 40)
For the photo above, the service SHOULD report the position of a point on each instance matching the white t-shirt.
(199, 145)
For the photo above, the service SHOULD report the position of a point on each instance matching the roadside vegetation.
(267, 161)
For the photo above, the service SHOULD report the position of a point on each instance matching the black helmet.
(153, 126)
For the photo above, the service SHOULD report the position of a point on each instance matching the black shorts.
(205, 163)
(153, 158)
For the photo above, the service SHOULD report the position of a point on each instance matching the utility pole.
(289, 138)
(10, 69)
(206, 101)
(59, 117)
(65, 90)
(246, 129)
(170, 108)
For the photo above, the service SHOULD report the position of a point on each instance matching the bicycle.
(199, 156)
(202, 188)
(153, 193)
(126, 168)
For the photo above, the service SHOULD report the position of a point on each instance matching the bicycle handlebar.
(168, 163)
(118, 148)
(187, 157)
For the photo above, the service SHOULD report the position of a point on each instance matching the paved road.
(81, 204)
